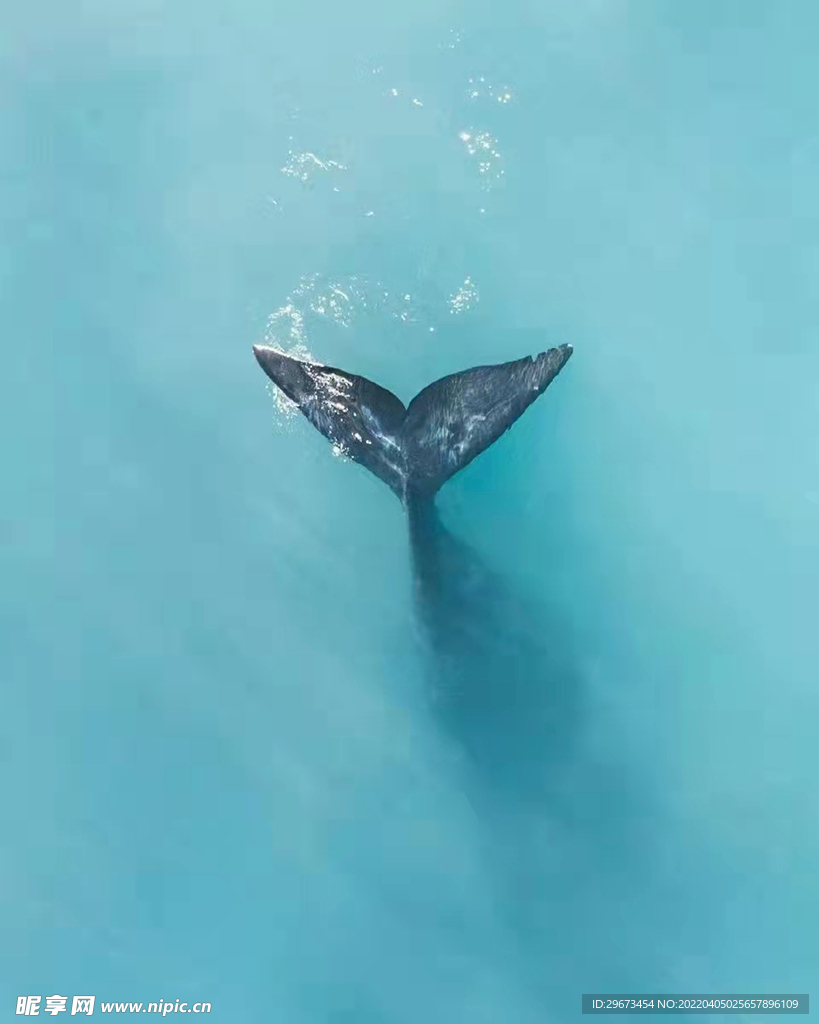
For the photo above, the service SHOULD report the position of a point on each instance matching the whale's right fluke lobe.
(414, 450)
(452, 421)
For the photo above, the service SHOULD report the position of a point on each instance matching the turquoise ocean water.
(224, 776)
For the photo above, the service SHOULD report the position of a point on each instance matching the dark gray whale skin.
(414, 450)
(502, 683)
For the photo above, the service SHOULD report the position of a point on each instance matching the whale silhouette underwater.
(503, 684)
(561, 820)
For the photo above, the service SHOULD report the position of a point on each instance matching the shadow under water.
(503, 685)
(560, 824)
(504, 681)
(566, 831)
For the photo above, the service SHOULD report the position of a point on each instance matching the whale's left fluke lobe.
(417, 449)
(352, 412)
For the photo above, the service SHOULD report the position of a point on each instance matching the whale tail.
(414, 449)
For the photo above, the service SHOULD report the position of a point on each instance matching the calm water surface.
(229, 772)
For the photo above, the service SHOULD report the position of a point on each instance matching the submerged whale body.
(507, 685)
(501, 683)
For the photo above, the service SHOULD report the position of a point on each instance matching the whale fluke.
(414, 450)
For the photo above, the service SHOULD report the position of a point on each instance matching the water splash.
(483, 147)
(480, 88)
(453, 40)
(464, 298)
(305, 166)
